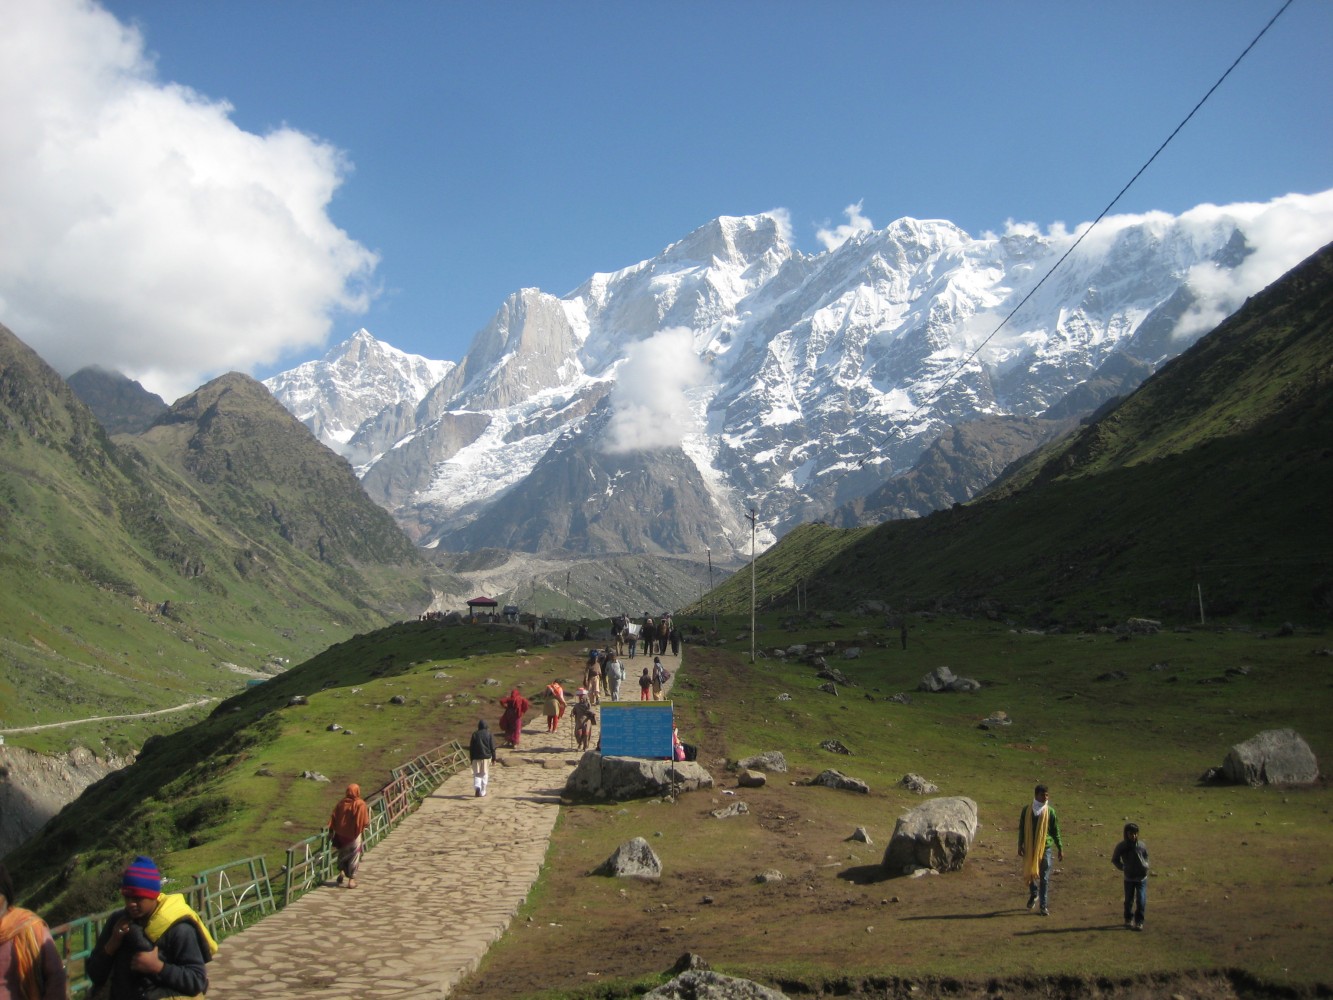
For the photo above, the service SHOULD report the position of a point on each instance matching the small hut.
(488, 604)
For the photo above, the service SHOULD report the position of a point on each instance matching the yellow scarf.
(25, 929)
(172, 909)
(1034, 845)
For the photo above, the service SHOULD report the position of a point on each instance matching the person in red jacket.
(511, 720)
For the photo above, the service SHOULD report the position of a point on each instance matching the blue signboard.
(637, 729)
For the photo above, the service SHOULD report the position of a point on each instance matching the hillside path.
(430, 899)
(106, 718)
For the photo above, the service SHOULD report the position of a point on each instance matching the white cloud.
(650, 406)
(1282, 233)
(856, 223)
(142, 229)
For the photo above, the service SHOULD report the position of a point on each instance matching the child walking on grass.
(1131, 857)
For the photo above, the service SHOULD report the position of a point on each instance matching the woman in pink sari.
(511, 720)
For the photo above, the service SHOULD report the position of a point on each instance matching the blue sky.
(405, 166)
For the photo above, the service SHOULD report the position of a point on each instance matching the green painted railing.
(235, 895)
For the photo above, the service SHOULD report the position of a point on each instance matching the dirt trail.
(106, 718)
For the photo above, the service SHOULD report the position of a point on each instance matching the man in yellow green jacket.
(1038, 838)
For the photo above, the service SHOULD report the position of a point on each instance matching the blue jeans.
(1136, 900)
(1040, 890)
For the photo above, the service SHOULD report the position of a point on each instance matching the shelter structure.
(486, 604)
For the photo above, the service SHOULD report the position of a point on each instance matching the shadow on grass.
(969, 916)
(1089, 929)
(865, 875)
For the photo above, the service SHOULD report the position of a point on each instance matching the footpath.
(430, 899)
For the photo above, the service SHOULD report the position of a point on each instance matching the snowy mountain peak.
(752, 374)
(352, 383)
(728, 241)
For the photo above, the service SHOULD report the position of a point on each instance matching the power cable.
(952, 376)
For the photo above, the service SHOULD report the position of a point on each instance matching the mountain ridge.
(794, 383)
(117, 551)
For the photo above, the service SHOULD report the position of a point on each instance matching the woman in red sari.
(511, 720)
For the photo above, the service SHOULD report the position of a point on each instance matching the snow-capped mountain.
(652, 407)
(356, 387)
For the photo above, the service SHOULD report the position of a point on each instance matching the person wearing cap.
(350, 818)
(584, 719)
(30, 965)
(481, 750)
(156, 946)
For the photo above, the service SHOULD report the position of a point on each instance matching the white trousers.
(481, 775)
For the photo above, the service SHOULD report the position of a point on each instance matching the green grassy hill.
(229, 786)
(150, 571)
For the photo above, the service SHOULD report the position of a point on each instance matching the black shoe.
(476, 792)
(1138, 925)
(1032, 901)
(1045, 912)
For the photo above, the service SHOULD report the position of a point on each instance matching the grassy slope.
(196, 800)
(134, 583)
(1240, 875)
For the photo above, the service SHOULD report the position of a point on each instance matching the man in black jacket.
(482, 752)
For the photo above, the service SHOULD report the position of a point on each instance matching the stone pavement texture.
(430, 898)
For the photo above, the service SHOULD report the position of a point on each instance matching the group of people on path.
(1039, 842)
(654, 636)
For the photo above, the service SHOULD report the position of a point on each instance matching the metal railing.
(233, 896)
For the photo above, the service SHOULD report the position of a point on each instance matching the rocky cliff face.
(34, 787)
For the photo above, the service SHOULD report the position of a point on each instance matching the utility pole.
(711, 595)
(752, 516)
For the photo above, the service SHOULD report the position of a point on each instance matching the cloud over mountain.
(145, 230)
(650, 407)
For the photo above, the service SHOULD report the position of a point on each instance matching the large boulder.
(944, 679)
(701, 984)
(772, 761)
(839, 781)
(936, 834)
(619, 778)
(1274, 757)
(632, 859)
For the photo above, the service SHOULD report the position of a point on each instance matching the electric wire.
(958, 369)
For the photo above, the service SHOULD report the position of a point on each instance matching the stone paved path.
(429, 899)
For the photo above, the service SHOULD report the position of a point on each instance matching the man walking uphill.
(481, 750)
(1038, 837)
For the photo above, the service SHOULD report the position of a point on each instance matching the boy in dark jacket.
(1131, 857)
(156, 946)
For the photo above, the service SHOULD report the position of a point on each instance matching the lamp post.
(753, 517)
